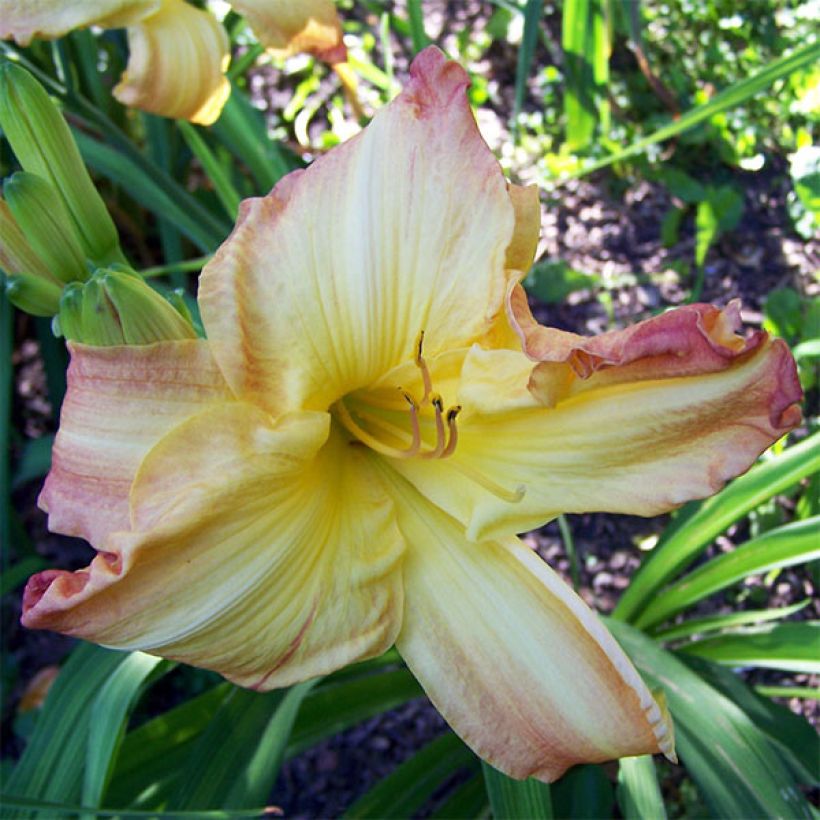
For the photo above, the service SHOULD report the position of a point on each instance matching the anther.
(422, 366)
(452, 414)
(441, 433)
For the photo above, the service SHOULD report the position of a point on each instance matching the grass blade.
(236, 759)
(417, 32)
(516, 799)
(639, 794)
(684, 541)
(585, 40)
(405, 790)
(109, 714)
(790, 646)
(533, 13)
(735, 766)
(713, 623)
(468, 800)
(241, 129)
(228, 195)
(6, 385)
(51, 767)
(797, 741)
(119, 169)
(730, 97)
(794, 543)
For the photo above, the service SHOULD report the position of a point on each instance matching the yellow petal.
(324, 284)
(23, 20)
(250, 554)
(176, 64)
(614, 442)
(120, 402)
(511, 657)
(287, 27)
(524, 242)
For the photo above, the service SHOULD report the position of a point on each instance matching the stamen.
(489, 485)
(372, 441)
(441, 433)
(422, 365)
(414, 421)
(452, 414)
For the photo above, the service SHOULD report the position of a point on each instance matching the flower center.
(398, 425)
(392, 421)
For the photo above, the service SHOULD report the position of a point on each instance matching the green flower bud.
(42, 142)
(69, 319)
(16, 254)
(46, 226)
(33, 294)
(144, 314)
(117, 307)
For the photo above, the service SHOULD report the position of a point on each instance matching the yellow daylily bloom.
(343, 463)
(178, 54)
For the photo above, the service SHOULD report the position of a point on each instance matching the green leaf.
(236, 760)
(51, 767)
(109, 715)
(553, 280)
(18, 574)
(791, 646)
(797, 740)
(516, 799)
(735, 766)
(670, 226)
(730, 97)
(584, 793)
(152, 756)
(585, 40)
(417, 32)
(719, 212)
(35, 460)
(241, 128)
(681, 185)
(467, 800)
(695, 528)
(794, 543)
(406, 789)
(52, 809)
(533, 13)
(333, 708)
(228, 195)
(639, 794)
(182, 210)
(783, 309)
(713, 623)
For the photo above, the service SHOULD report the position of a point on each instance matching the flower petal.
(511, 657)
(250, 554)
(23, 20)
(176, 64)
(325, 284)
(637, 438)
(287, 27)
(120, 402)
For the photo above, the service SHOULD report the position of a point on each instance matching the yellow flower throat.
(378, 418)
(368, 410)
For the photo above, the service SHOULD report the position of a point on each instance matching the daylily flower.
(178, 54)
(343, 464)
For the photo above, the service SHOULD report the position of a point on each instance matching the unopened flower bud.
(117, 307)
(43, 220)
(145, 316)
(16, 254)
(33, 294)
(42, 142)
